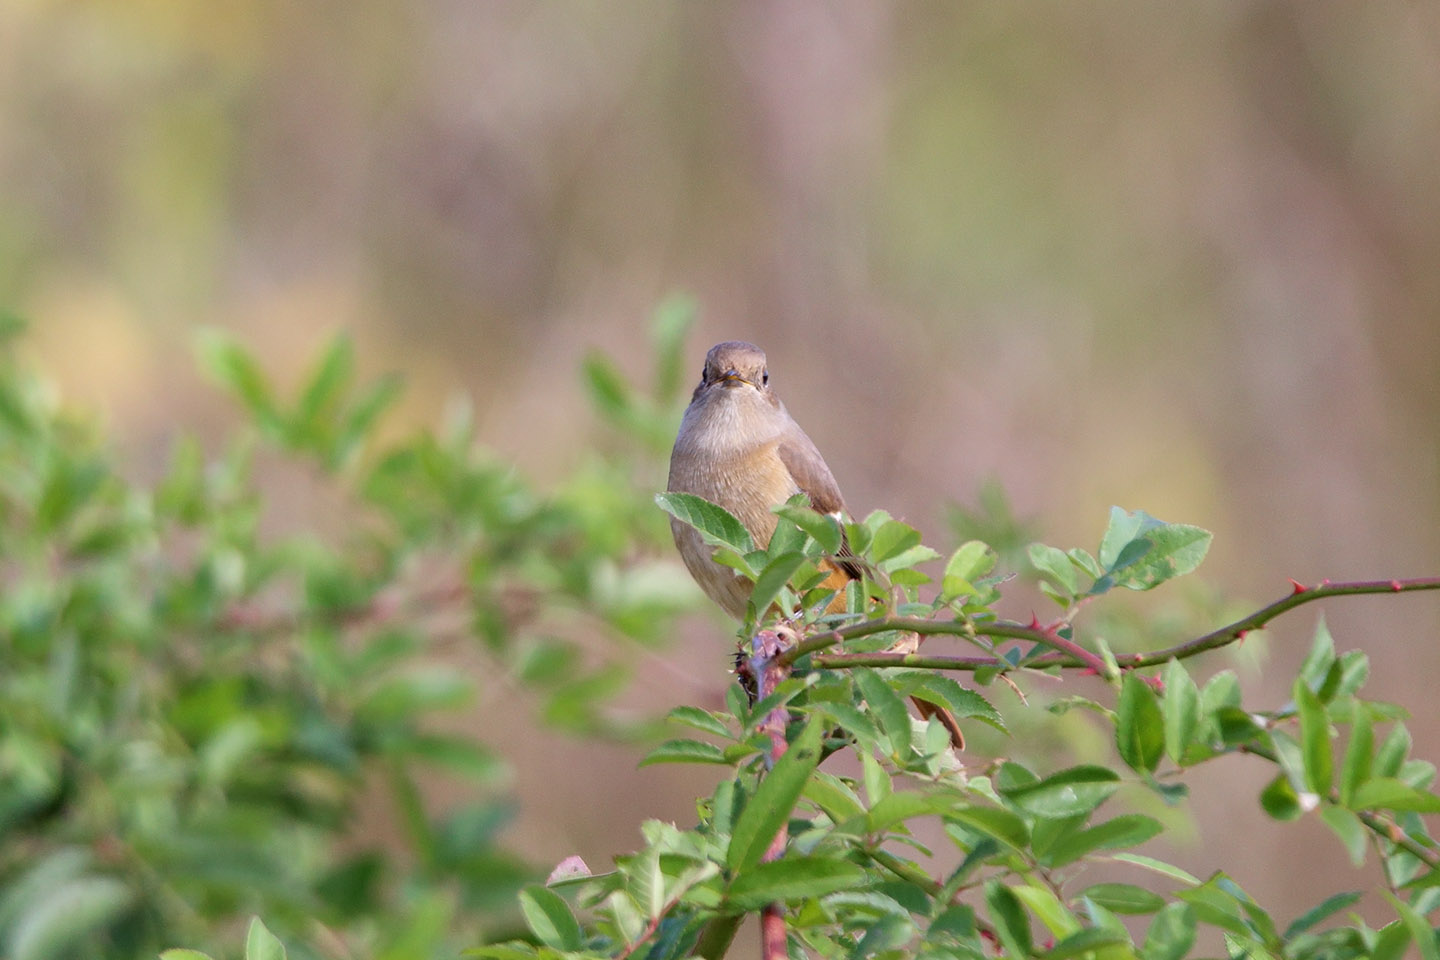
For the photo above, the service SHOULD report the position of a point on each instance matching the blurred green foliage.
(193, 710)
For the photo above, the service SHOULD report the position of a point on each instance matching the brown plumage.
(738, 447)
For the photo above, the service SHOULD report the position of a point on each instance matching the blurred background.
(1184, 259)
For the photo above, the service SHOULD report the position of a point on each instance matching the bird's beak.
(731, 378)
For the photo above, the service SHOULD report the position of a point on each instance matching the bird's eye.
(765, 378)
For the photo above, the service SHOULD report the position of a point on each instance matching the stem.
(770, 667)
(717, 936)
(1066, 654)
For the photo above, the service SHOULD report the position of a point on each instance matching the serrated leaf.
(699, 719)
(1139, 725)
(972, 560)
(548, 916)
(960, 701)
(887, 708)
(832, 795)
(772, 579)
(900, 807)
(791, 878)
(769, 808)
(716, 525)
(896, 564)
(1067, 793)
(890, 538)
(994, 822)
(1127, 830)
(823, 528)
(1053, 563)
(685, 751)
(1140, 552)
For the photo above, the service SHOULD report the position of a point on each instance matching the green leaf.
(891, 538)
(823, 528)
(1124, 897)
(1123, 831)
(1140, 552)
(702, 720)
(716, 525)
(183, 954)
(1348, 828)
(1320, 658)
(834, 796)
(1088, 942)
(905, 559)
(329, 378)
(1048, 908)
(900, 807)
(1419, 927)
(1388, 793)
(58, 920)
(610, 392)
(791, 878)
(1158, 866)
(1355, 769)
(1314, 739)
(1009, 919)
(972, 560)
(772, 580)
(1314, 915)
(1069, 792)
(1280, 800)
(1393, 750)
(237, 370)
(962, 702)
(1052, 562)
(548, 916)
(1171, 933)
(995, 822)
(887, 708)
(769, 808)
(1181, 707)
(1139, 725)
(685, 751)
(261, 944)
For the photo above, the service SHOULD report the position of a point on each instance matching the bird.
(738, 447)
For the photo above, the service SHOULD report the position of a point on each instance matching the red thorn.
(1325, 582)
(1089, 672)
(1035, 622)
(1138, 657)
(1299, 587)
(1396, 586)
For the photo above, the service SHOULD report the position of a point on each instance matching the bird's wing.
(812, 475)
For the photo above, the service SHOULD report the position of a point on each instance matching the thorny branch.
(1063, 653)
